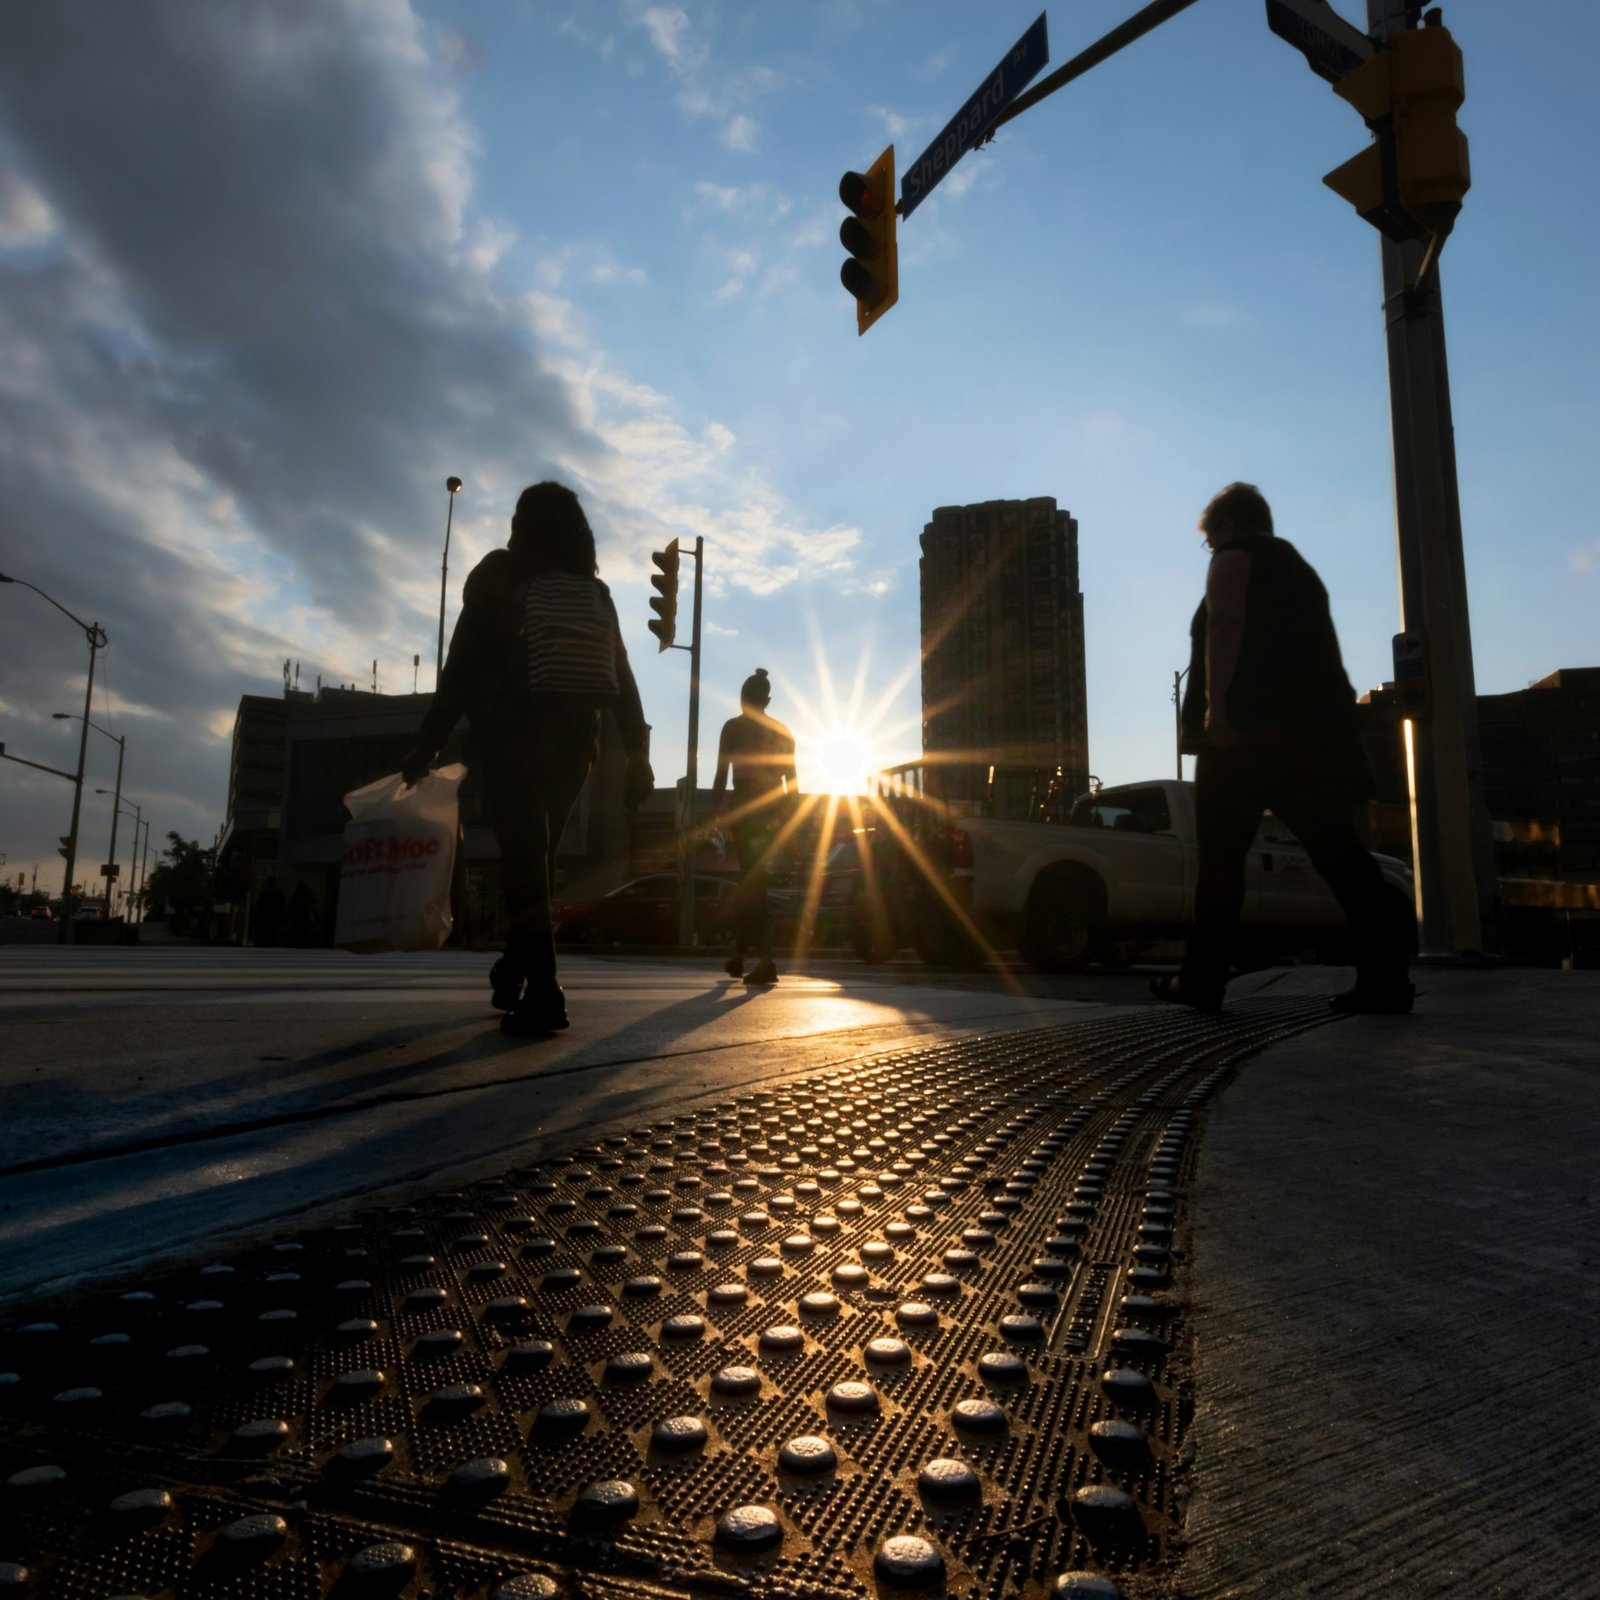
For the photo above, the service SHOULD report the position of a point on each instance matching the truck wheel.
(1066, 925)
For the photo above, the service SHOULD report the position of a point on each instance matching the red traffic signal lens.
(857, 194)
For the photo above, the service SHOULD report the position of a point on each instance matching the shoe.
(1169, 988)
(762, 974)
(505, 986)
(1381, 1000)
(734, 966)
(538, 1012)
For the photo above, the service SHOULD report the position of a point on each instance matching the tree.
(180, 881)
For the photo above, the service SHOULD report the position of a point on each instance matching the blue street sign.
(972, 122)
(1332, 47)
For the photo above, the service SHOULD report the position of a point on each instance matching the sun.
(841, 761)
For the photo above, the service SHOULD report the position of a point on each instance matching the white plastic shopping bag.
(399, 852)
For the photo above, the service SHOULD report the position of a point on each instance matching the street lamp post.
(453, 487)
(121, 742)
(138, 817)
(96, 635)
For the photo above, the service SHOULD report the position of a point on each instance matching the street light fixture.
(96, 635)
(453, 487)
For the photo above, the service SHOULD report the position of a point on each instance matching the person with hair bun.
(760, 752)
(537, 653)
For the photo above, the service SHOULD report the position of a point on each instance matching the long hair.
(549, 532)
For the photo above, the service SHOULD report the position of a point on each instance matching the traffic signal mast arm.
(1124, 34)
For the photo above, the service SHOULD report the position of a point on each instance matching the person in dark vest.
(1270, 717)
(759, 750)
(536, 654)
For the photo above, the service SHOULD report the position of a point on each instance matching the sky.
(270, 273)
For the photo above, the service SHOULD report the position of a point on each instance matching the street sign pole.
(686, 846)
(1450, 836)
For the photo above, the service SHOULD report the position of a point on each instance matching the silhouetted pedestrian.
(269, 914)
(536, 653)
(1270, 716)
(760, 751)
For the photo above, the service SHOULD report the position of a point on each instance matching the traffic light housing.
(664, 602)
(65, 847)
(872, 272)
(1410, 183)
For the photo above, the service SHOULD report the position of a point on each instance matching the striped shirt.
(570, 634)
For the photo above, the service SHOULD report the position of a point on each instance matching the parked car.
(42, 914)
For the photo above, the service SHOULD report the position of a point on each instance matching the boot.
(762, 974)
(505, 984)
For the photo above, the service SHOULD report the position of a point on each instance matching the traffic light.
(664, 602)
(65, 847)
(1431, 165)
(1409, 184)
(872, 274)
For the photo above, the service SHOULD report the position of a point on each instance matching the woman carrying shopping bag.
(537, 653)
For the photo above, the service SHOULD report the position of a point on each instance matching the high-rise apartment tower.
(1002, 653)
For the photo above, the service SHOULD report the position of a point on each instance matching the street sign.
(111, 870)
(1332, 47)
(972, 122)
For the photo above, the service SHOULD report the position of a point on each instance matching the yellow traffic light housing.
(872, 274)
(1409, 184)
(664, 602)
(1432, 169)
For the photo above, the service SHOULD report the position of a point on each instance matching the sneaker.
(505, 986)
(1383, 1000)
(537, 1013)
(762, 973)
(734, 966)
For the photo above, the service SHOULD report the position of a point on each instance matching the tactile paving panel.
(905, 1325)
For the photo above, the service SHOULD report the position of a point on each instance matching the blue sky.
(266, 280)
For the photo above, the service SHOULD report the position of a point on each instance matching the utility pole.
(1450, 834)
(452, 486)
(687, 837)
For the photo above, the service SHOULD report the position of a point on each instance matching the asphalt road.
(155, 1097)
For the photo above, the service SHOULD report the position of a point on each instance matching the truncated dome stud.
(749, 1530)
(907, 1562)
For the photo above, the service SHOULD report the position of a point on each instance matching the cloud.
(955, 187)
(1584, 559)
(668, 27)
(934, 64)
(723, 92)
(258, 321)
(26, 219)
(894, 124)
(740, 133)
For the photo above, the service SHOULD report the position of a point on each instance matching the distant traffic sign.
(972, 122)
(1332, 47)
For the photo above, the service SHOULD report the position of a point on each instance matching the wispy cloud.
(1584, 558)
(740, 133)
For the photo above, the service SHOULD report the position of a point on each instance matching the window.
(1126, 811)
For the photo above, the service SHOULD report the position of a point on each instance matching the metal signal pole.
(1450, 835)
(686, 845)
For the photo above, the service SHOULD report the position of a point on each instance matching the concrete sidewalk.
(1396, 1303)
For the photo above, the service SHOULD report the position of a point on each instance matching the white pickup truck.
(1117, 875)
